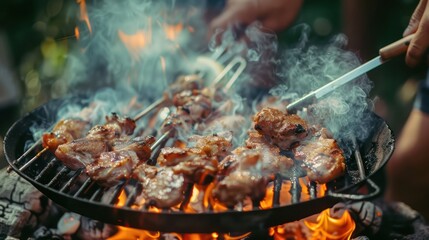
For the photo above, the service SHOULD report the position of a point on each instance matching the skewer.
(151, 107)
(25, 154)
(25, 166)
(154, 146)
(239, 61)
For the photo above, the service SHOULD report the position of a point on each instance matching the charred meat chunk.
(283, 130)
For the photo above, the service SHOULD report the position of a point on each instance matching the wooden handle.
(397, 48)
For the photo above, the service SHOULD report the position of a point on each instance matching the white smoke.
(346, 112)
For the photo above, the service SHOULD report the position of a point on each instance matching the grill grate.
(77, 192)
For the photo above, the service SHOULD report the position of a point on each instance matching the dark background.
(36, 36)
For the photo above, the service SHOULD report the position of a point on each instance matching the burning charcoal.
(68, 224)
(92, 230)
(21, 205)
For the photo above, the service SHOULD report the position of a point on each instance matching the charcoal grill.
(76, 192)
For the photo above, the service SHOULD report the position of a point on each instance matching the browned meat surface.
(199, 163)
(193, 105)
(283, 130)
(139, 145)
(247, 171)
(80, 152)
(102, 138)
(191, 162)
(217, 145)
(112, 167)
(321, 157)
(63, 132)
(199, 170)
(272, 160)
(238, 185)
(171, 156)
(186, 82)
(162, 187)
(115, 127)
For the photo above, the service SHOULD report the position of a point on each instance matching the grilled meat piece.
(112, 167)
(171, 156)
(283, 130)
(139, 145)
(238, 185)
(193, 163)
(199, 164)
(186, 82)
(80, 152)
(272, 160)
(247, 171)
(115, 127)
(200, 170)
(265, 161)
(193, 104)
(321, 157)
(217, 145)
(63, 132)
(116, 165)
(162, 187)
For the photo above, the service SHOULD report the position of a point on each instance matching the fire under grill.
(74, 190)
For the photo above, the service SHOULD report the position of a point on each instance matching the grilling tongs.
(385, 54)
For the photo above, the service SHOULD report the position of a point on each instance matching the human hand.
(419, 23)
(273, 14)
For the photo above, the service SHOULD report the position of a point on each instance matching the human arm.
(273, 14)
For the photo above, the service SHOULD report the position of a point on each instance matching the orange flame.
(329, 228)
(134, 42)
(172, 31)
(84, 14)
(76, 33)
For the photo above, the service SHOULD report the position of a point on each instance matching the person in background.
(273, 14)
(408, 169)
